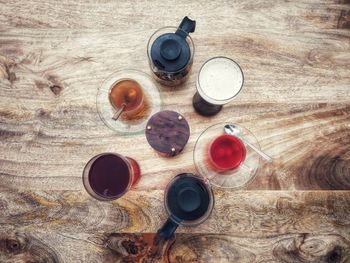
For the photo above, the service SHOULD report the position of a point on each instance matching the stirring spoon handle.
(119, 112)
(261, 153)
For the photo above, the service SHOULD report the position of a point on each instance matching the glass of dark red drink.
(225, 160)
(109, 176)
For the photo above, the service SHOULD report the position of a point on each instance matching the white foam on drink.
(219, 80)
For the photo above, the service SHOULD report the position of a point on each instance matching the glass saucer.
(124, 124)
(234, 178)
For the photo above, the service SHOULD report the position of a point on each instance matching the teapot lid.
(170, 52)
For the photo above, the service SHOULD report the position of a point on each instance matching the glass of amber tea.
(126, 99)
(126, 96)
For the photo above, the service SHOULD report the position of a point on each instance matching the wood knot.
(55, 84)
(130, 247)
(6, 71)
(42, 113)
(344, 19)
(335, 255)
(314, 56)
(13, 246)
(56, 89)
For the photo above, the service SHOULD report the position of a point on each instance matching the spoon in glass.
(234, 130)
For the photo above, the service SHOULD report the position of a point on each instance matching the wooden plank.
(258, 226)
(262, 14)
(69, 226)
(21, 247)
(243, 213)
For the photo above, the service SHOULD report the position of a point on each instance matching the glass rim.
(101, 197)
(120, 80)
(204, 95)
(207, 213)
(175, 29)
(105, 86)
(210, 181)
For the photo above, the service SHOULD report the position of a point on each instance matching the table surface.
(296, 100)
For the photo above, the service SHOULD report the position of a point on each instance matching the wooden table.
(296, 99)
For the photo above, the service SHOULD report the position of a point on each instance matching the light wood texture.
(295, 56)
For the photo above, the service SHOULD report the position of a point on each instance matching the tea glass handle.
(168, 229)
(257, 150)
(186, 26)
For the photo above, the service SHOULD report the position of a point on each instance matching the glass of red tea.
(108, 176)
(226, 152)
(225, 160)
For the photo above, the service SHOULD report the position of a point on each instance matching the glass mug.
(108, 176)
(226, 160)
(126, 99)
(170, 53)
(188, 200)
(219, 80)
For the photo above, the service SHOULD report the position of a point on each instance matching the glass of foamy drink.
(219, 80)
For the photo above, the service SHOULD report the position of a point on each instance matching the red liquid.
(227, 152)
(109, 175)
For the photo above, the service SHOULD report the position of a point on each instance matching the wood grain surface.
(295, 56)
(247, 226)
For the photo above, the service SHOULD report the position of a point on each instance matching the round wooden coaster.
(167, 132)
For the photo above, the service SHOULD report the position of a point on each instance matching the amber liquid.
(128, 94)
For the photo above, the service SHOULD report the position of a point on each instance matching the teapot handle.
(167, 230)
(186, 26)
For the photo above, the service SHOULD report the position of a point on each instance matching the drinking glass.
(226, 160)
(108, 176)
(219, 81)
(126, 99)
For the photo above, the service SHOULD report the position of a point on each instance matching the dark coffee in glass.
(188, 201)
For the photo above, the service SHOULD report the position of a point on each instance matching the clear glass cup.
(131, 121)
(219, 81)
(108, 176)
(242, 168)
(189, 201)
